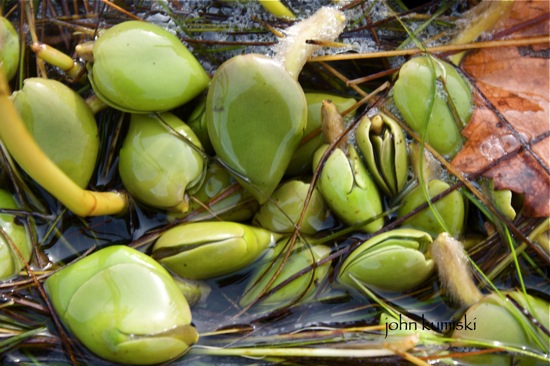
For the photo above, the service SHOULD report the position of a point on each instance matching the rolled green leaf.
(204, 250)
(139, 67)
(415, 89)
(393, 261)
(287, 202)
(348, 189)
(302, 257)
(451, 209)
(156, 165)
(62, 125)
(11, 262)
(123, 306)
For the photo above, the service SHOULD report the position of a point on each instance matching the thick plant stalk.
(454, 272)
(34, 161)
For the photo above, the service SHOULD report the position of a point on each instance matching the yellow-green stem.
(34, 161)
(277, 8)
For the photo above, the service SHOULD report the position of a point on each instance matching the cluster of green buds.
(396, 260)
(204, 250)
(123, 306)
(15, 246)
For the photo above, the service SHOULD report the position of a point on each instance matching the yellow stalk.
(277, 8)
(34, 161)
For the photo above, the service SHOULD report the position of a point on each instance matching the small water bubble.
(491, 148)
(508, 142)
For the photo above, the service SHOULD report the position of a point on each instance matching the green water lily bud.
(219, 197)
(300, 162)
(62, 125)
(156, 165)
(451, 209)
(392, 261)
(495, 319)
(9, 48)
(204, 250)
(285, 208)
(123, 306)
(303, 287)
(417, 84)
(139, 67)
(382, 143)
(348, 189)
(10, 261)
(256, 115)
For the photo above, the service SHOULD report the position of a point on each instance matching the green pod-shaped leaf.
(495, 319)
(123, 306)
(382, 143)
(140, 68)
(451, 209)
(204, 250)
(348, 189)
(300, 162)
(10, 261)
(283, 211)
(156, 165)
(392, 261)
(302, 257)
(62, 125)
(219, 197)
(416, 86)
(256, 114)
(9, 47)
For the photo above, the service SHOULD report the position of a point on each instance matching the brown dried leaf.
(516, 82)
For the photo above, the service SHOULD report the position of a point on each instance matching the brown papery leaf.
(514, 148)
